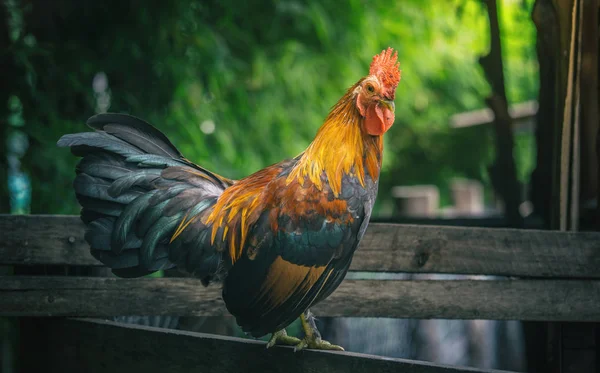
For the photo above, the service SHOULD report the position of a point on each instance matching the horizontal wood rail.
(539, 300)
(48, 239)
(548, 276)
(74, 345)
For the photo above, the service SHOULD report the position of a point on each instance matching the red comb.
(386, 67)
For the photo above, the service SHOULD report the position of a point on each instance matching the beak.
(389, 104)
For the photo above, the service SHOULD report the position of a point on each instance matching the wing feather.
(296, 254)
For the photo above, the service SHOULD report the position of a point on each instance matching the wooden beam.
(43, 239)
(521, 113)
(512, 252)
(538, 300)
(51, 239)
(92, 346)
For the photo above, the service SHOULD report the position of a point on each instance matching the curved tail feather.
(135, 188)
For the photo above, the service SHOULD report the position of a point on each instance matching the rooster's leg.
(312, 337)
(280, 337)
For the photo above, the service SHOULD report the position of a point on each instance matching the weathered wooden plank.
(91, 346)
(511, 252)
(541, 300)
(50, 239)
(43, 239)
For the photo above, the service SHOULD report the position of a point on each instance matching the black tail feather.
(136, 132)
(135, 187)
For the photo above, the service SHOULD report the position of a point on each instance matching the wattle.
(378, 119)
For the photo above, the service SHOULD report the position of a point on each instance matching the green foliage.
(519, 55)
(237, 86)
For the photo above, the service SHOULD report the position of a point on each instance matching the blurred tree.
(502, 172)
(239, 86)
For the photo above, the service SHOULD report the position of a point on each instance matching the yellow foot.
(280, 337)
(316, 344)
(312, 337)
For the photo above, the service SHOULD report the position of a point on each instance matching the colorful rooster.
(280, 240)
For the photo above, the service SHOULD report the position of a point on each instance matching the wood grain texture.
(48, 239)
(43, 239)
(67, 345)
(539, 300)
(511, 252)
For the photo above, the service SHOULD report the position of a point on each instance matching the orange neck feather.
(340, 147)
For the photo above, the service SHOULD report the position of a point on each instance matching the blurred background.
(241, 85)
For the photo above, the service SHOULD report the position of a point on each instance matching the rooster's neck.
(340, 147)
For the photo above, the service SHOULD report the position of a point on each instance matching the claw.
(301, 346)
(280, 337)
(316, 344)
(312, 338)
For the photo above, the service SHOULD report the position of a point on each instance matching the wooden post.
(567, 118)
(575, 343)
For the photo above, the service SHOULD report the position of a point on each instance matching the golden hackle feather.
(340, 147)
(236, 209)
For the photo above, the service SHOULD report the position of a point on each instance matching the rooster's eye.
(370, 88)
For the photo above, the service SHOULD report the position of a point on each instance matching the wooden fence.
(539, 275)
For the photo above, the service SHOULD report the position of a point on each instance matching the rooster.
(280, 240)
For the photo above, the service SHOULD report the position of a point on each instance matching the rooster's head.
(376, 92)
